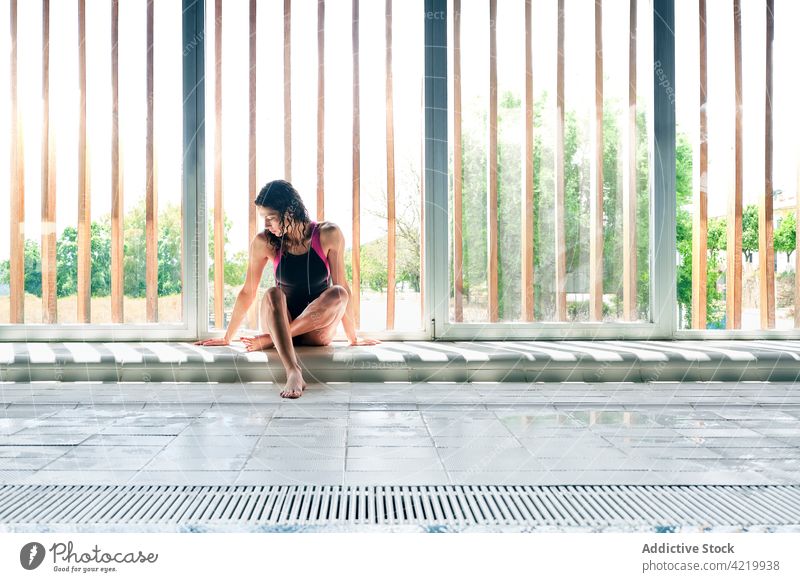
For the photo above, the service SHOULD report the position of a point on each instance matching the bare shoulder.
(260, 246)
(330, 235)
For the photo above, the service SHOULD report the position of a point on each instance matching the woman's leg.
(323, 316)
(317, 321)
(277, 320)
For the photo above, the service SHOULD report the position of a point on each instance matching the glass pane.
(64, 122)
(721, 170)
(337, 171)
(473, 229)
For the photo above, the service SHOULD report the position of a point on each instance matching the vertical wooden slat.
(559, 206)
(252, 314)
(797, 246)
(491, 210)
(84, 194)
(733, 277)
(766, 250)
(356, 250)
(320, 110)
(49, 304)
(458, 253)
(287, 89)
(219, 234)
(527, 191)
(390, 193)
(117, 192)
(629, 265)
(151, 180)
(596, 194)
(422, 196)
(700, 217)
(17, 226)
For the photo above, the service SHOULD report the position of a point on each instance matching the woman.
(311, 295)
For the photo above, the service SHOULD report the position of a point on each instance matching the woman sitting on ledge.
(311, 295)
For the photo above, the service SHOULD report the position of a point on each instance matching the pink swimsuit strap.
(315, 244)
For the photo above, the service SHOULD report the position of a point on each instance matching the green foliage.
(134, 253)
(235, 268)
(577, 166)
(33, 269)
(786, 235)
(750, 231)
(715, 304)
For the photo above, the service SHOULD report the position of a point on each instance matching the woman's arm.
(259, 257)
(335, 240)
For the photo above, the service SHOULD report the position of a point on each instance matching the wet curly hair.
(282, 197)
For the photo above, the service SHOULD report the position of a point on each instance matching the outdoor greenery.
(473, 231)
(576, 192)
(783, 239)
(134, 256)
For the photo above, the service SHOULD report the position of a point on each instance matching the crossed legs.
(315, 326)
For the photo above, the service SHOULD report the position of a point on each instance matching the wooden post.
(151, 194)
(733, 278)
(596, 194)
(117, 189)
(629, 182)
(559, 206)
(356, 250)
(797, 247)
(700, 192)
(320, 110)
(766, 250)
(491, 210)
(390, 191)
(527, 229)
(252, 313)
(458, 220)
(49, 302)
(17, 219)
(84, 192)
(219, 233)
(287, 89)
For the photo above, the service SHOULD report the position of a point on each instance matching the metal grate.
(398, 508)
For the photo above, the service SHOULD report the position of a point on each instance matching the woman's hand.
(214, 341)
(364, 341)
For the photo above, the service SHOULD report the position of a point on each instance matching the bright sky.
(408, 70)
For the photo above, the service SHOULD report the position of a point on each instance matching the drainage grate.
(419, 508)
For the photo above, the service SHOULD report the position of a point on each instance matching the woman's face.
(271, 218)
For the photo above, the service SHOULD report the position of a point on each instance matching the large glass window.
(736, 173)
(549, 206)
(312, 60)
(92, 203)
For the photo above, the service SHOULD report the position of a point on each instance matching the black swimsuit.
(302, 278)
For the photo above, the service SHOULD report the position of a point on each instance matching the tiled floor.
(400, 433)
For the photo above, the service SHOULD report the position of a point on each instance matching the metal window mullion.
(436, 166)
(662, 172)
(194, 215)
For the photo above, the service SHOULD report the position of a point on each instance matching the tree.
(786, 235)
(750, 231)
(235, 267)
(716, 243)
(408, 219)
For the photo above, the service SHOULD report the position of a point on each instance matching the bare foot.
(294, 385)
(256, 343)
